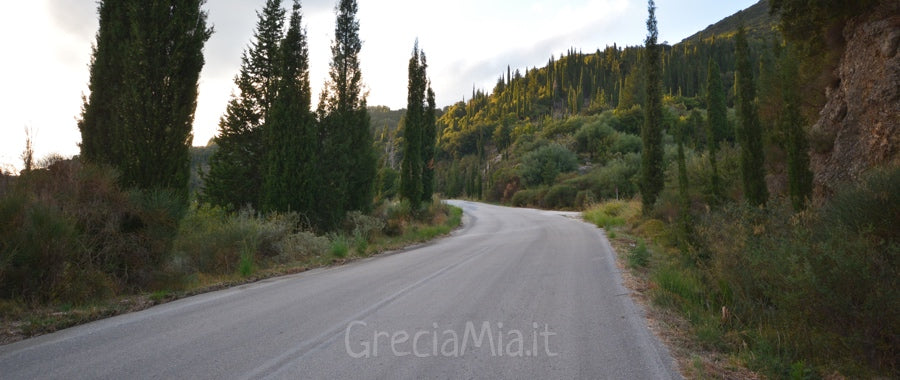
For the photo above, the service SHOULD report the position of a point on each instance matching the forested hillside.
(555, 101)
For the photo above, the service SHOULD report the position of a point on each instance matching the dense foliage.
(345, 138)
(236, 169)
(292, 177)
(144, 75)
(652, 130)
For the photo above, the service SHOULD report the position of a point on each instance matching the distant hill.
(756, 19)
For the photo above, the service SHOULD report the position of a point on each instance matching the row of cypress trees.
(274, 153)
(419, 133)
(749, 129)
(143, 91)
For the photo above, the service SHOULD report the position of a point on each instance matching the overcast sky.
(47, 47)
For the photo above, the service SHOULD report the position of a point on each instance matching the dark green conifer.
(145, 72)
(291, 179)
(411, 168)
(749, 131)
(716, 123)
(792, 125)
(652, 180)
(429, 139)
(346, 142)
(236, 170)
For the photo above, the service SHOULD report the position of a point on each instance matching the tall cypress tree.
(411, 168)
(236, 170)
(652, 180)
(161, 96)
(429, 139)
(291, 178)
(749, 129)
(717, 121)
(151, 54)
(344, 132)
(100, 125)
(791, 123)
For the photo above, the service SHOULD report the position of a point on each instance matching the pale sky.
(47, 46)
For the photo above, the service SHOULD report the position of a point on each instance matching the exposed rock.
(860, 124)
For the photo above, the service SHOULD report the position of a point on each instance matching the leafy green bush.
(361, 225)
(524, 198)
(560, 196)
(585, 199)
(543, 165)
(606, 215)
(339, 246)
(814, 286)
(68, 232)
(625, 143)
(639, 256)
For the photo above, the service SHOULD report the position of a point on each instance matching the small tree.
(236, 170)
(791, 122)
(716, 123)
(292, 177)
(429, 139)
(348, 156)
(652, 180)
(411, 174)
(749, 128)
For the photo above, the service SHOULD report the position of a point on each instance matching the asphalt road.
(515, 293)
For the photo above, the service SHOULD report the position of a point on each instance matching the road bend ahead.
(516, 293)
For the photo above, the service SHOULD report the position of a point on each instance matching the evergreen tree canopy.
(716, 122)
(236, 170)
(348, 155)
(411, 169)
(429, 139)
(652, 180)
(145, 71)
(292, 178)
(749, 131)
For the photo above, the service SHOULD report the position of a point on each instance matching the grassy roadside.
(394, 226)
(640, 258)
(769, 292)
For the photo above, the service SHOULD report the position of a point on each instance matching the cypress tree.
(236, 170)
(160, 96)
(791, 122)
(681, 135)
(749, 129)
(291, 174)
(411, 168)
(344, 132)
(716, 122)
(429, 139)
(145, 71)
(652, 180)
(101, 139)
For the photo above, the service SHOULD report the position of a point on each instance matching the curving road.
(515, 293)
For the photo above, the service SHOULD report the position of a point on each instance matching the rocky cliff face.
(860, 124)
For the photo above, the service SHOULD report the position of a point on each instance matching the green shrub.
(360, 244)
(813, 285)
(541, 166)
(303, 244)
(361, 225)
(560, 196)
(69, 233)
(639, 256)
(524, 198)
(585, 199)
(626, 143)
(607, 215)
(339, 246)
